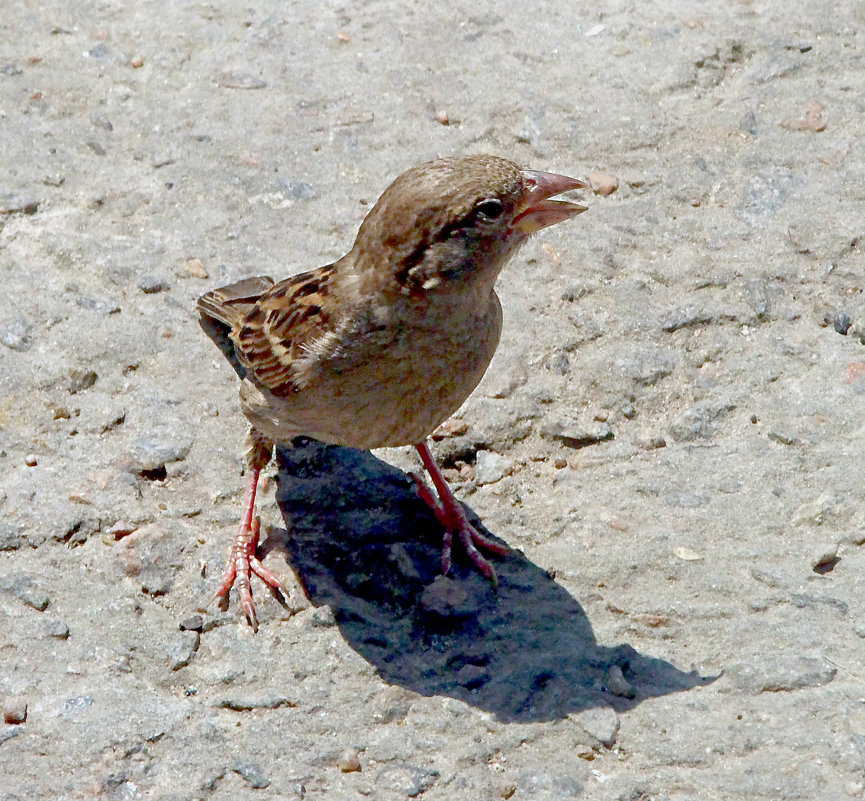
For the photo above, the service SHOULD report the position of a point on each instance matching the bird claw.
(242, 565)
(452, 518)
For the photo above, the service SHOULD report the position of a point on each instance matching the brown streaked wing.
(222, 310)
(229, 304)
(274, 333)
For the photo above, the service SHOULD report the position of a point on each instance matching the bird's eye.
(490, 208)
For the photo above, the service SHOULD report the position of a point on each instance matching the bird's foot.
(242, 565)
(452, 517)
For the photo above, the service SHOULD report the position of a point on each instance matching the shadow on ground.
(362, 543)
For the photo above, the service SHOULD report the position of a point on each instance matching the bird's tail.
(222, 310)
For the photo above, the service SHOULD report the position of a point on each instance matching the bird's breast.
(389, 383)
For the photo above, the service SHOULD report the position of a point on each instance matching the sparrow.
(380, 347)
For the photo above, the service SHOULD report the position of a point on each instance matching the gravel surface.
(670, 438)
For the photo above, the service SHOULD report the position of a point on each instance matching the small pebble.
(444, 598)
(155, 582)
(603, 183)
(812, 121)
(403, 561)
(349, 760)
(183, 649)
(25, 590)
(450, 428)
(826, 559)
(323, 617)
(30, 460)
(687, 500)
(490, 467)
(552, 254)
(15, 709)
(472, 676)
(854, 371)
(573, 434)
(650, 442)
(195, 268)
(192, 623)
(442, 117)
(10, 539)
(120, 529)
(686, 554)
(79, 380)
(601, 722)
(160, 445)
(748, 124)
(151, 284)
(617, 684)
(8, 732)
(57, 629)
(842, 323)
(16, 335)
(137, 62)
(614, 520)
(558, 363)
(404, 780)
(294, 189)
(253, 773)
(101, 121)
(98, 305)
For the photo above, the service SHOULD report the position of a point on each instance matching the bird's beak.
(537, 211)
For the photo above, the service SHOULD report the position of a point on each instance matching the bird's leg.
(450, 513)
(242, 562)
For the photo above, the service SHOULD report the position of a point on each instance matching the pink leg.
(242, 562)
(450, 513)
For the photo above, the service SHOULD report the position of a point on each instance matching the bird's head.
(456, 220)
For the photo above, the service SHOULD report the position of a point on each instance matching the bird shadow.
(361, 542)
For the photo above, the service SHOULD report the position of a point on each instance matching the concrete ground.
(670, 436)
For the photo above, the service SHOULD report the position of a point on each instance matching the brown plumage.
(380, 347)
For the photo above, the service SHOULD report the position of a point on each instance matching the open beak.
(537, 210)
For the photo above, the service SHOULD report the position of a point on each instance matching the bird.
(380, 347)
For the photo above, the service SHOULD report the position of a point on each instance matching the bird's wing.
(278, 332)
(222, 310)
